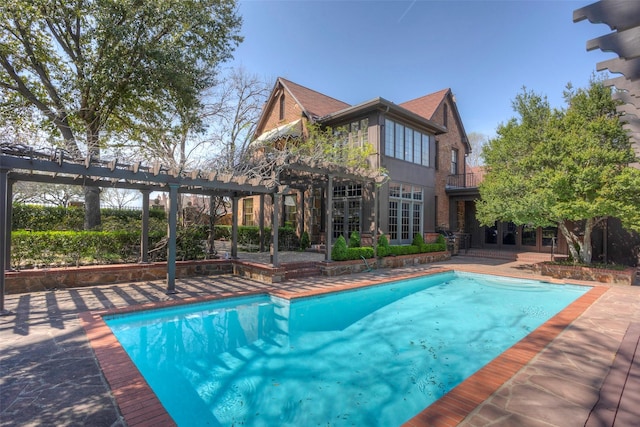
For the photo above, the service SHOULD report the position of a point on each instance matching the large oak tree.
(567, 168)
(90, 67)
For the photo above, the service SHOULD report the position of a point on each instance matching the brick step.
(299, 273)
(508, 255)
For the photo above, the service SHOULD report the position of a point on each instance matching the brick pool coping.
(140, 406)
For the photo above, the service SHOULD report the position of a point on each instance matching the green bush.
(43, 218)
(417, 240)
(418, 246)
(354, 240)
(339, 250)
(357, 253)
(46, 248)
(191, 242)
(305, 241)
(383, 246)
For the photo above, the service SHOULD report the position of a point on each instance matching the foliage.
(47, 248)
(359, 252)
(42, 218)
(191, 242)
(568, 168)
(418, 246)
(383, 246)
(250, 236)
(305, 241)
(339, 249)
(90, 67)
(354, 240)
(418, 240)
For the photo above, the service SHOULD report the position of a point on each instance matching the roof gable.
(314, 104)
(427, 105)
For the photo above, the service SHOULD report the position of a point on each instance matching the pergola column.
(171, 250)
(234, 226)
(212, 225)
(274, 229)
(329, 218)
(144, 235)
(7, 247)
(261, 222)
(4, 200)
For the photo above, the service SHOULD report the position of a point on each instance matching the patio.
(49, 374)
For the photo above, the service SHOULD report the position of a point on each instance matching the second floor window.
(454, 162)
(359, 132)
(405, 143)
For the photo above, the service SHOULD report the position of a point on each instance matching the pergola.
(23, 163)
(623, 17)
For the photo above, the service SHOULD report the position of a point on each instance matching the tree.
(47, 194)
(91, 67)
(118, 198)
(477, 140)
(568, 168)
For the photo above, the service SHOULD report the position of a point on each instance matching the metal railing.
(466, 180)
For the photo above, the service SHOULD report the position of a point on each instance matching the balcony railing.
(465, 180)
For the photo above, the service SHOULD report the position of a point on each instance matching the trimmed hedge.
(340, 251)
(49, 218)
(46, 248)
(418, 246)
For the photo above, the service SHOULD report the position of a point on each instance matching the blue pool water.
(374, 356)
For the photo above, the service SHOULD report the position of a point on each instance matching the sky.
(486, 51)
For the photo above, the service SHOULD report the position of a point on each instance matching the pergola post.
(329, 218)
(374, 235)
(261, 222)
(3, 231)
(234, 226)
(212, 225)
(274, 228)
(7, 245)
(144, 235)
(171, 250)
(302, 211)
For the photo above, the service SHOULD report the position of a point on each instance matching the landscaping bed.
(624, 276)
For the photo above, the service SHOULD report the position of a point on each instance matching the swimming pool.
(375, 356)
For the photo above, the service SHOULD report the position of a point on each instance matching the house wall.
(292, 111)
(452, 139)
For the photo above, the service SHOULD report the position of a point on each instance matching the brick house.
(420, 143)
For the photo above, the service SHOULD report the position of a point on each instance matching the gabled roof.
(427, 105)
(314, 104)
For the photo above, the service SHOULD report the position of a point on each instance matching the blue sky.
(484, 50)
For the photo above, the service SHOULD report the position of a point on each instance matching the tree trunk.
(571, 240)
(92, 217)
(587, 249)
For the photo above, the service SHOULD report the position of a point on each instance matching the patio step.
(507, 255)
(298, 270)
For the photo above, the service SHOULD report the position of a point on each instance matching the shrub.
(43, 248)
(305, 241)
(383, 246)
(357, 253)
(339, 250)
(354, 240)
(417, 240)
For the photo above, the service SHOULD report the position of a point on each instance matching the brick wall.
(446, 142)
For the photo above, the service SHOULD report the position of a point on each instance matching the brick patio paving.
(49, 374)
